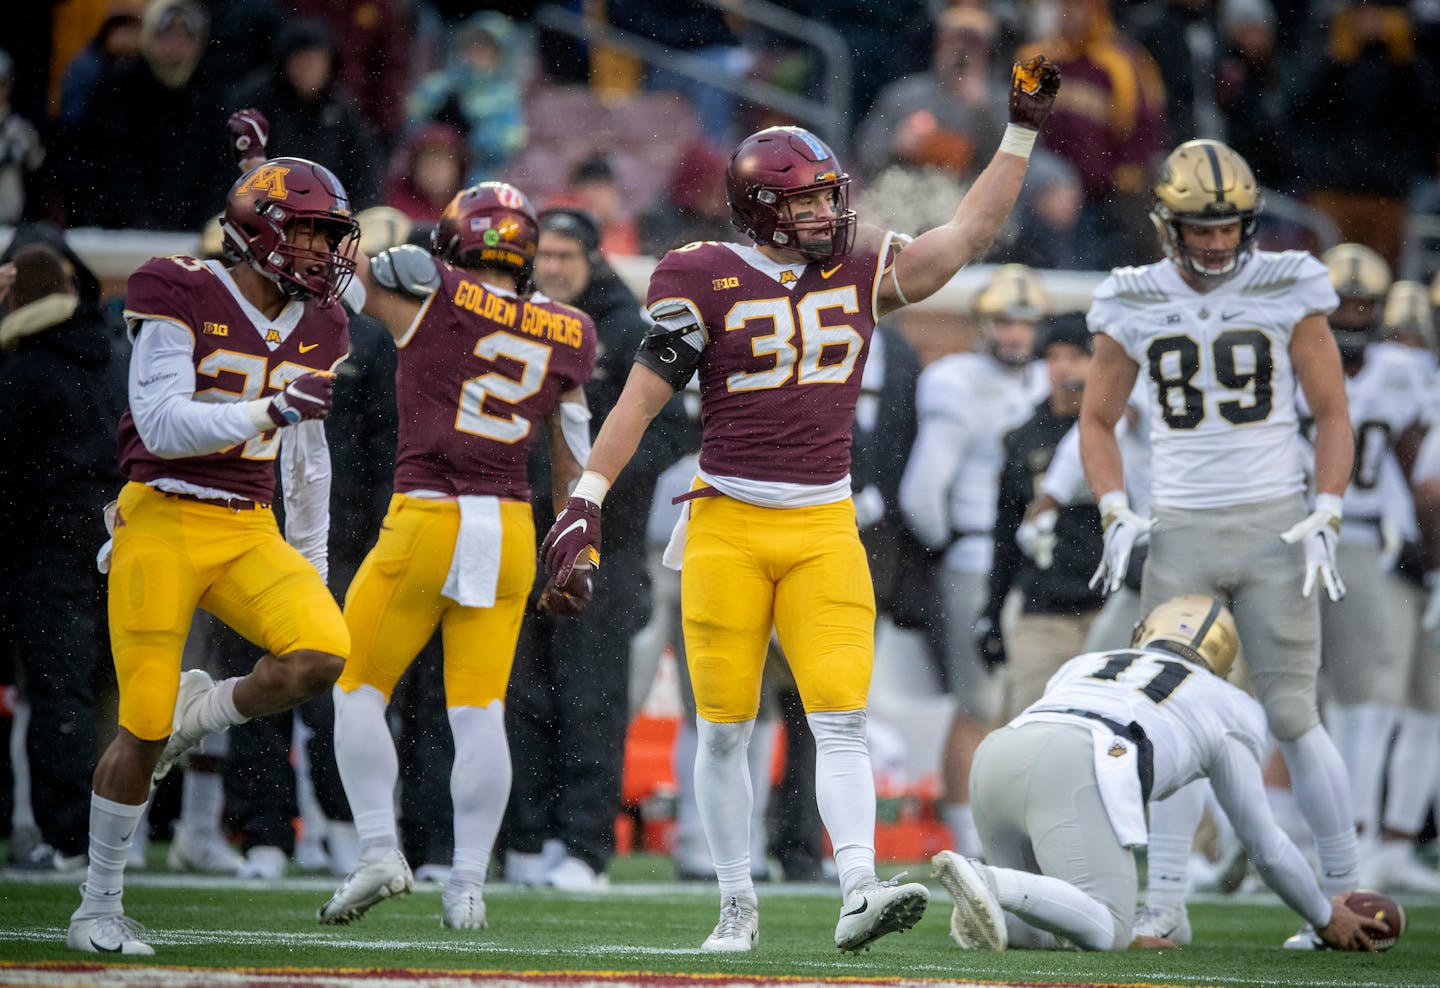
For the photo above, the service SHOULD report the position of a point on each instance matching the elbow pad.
(666, 349)
(406, 270)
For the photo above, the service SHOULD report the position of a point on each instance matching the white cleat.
(464, 908)
(1170, 922)
(185, 733)
(207, 853)
(573, 875)
(875, 908)
(118, 934)
(369, 883)
(264, 861)
(738, 929)
(976, 920)
(1305, 939)
(1392, 867)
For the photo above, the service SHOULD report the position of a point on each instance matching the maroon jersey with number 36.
(478, 371)
(239, 356)
(785, 351)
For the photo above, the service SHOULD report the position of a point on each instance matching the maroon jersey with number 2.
(478, 370)
(239, 356)
(784, 354)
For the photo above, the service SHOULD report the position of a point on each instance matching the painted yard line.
(472, 948)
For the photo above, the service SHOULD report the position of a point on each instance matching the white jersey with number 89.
(1223, 424)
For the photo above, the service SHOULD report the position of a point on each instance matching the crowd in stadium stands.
(114, 116)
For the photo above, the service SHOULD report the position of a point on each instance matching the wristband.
(1019, 141)
(592, 487)
(1331, 504)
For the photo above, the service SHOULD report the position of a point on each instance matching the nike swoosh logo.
(579, 523)
(100, 948)
(864, 905)
(307, 349)
(826, 274)
(1227, 316)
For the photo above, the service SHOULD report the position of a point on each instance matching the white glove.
(1431, 620)
(1036, 538)
(1318, 532)
(1392, 543)
(1123, 528)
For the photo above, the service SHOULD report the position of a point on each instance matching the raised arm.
(397, 285)
(932, 259)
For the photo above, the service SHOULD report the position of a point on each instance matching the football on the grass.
(1383, 908)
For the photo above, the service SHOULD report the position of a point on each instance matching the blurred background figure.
(1109, 124)
(941, 117)
(478, 91)
(694, 206)
(1251, 91)
(1369, 86)
(1044, 229)
(311, 115)
(595, 189)
(432, 169)
(21, 152)
(116, 43)
(62, 391)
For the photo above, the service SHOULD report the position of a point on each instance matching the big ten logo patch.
(720, 284)
(216, 329)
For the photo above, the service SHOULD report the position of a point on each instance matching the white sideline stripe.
(470, 948)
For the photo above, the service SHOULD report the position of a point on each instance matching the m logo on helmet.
(269, 179)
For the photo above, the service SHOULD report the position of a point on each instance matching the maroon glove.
(249, 133)
(568, 598)
(574, 538)
(309, 396)
(1032, 92)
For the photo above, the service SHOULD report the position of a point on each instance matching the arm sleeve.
(171, 423)
(925, 488)
(305, 476)
(1011, 501)
(1065, 478)
(1238, 786)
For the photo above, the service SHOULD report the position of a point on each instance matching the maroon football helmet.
(489, 225)
(772, 166)
(273, 201)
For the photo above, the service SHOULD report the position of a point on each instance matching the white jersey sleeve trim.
(170, 422)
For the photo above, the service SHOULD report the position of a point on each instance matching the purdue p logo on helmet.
(1205, 183)
(1197, 628)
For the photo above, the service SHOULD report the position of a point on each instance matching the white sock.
(1365, 761)
(1412, 769)
(479, 787)
(691, 850)
(1322, 791)
(1055, 906)
(723, 795)
(960, 821)
(202, 800)
(760, 755)
(112, 827)
(845, 790)
(369, 767)
(1173, 821)
(216, 709)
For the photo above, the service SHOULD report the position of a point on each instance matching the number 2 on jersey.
(534, 360)
(1175, 361)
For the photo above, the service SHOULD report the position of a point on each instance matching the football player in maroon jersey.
(481, 366)
(779, 333)
(232, 366)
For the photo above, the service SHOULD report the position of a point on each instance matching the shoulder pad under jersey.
(406, 269)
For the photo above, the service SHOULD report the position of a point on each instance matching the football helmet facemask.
(1197, 628)
(269, 207)
(769, 169)
(1408, 318)
(1361, 278)
(489, 225)
(1204, 183)
(1014, 294)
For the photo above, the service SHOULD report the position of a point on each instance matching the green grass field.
(644, 926)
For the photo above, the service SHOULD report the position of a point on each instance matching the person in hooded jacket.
(311, 116)
(62, 391)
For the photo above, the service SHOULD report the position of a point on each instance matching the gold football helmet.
(1356, 271)
(1195, 627)
(382, 227)
(1205, 183)
(1408, 317)
(1014, 294)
